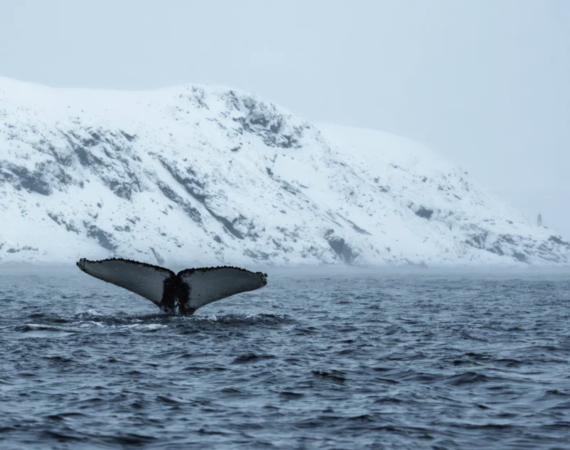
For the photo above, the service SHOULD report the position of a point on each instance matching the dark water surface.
(361, 361)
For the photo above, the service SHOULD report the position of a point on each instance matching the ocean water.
(365, 360)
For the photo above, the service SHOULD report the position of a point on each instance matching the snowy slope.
(209, 175)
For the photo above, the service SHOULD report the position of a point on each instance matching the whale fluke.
(143, 279)
(181, 293)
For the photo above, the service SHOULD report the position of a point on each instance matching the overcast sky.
(484, 82)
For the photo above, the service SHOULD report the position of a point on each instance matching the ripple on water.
(367, 362)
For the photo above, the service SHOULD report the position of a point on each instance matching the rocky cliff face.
(202, 175)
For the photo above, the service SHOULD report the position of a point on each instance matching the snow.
(211, 175)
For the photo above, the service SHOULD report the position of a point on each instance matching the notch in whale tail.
(184, 292)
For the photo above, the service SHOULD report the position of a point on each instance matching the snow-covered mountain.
(209, 175)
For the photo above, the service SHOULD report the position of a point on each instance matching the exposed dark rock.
(61, 157)
(121, 189)
(104, 239)
(125, 229)
(84, 158)
(196, 96)
(81, 146)
(497, 250)
(128, 137)
(59, 174)
(279, 246)
(507, 238)
(559, 241)
(114, 145)
(5, 175)
(60, 221)
(478, 240)
(289, 234)
(18, 250)
(194, 187)
(340, 247)
(86, 142)
(228, 226)
(159, 258)
(354, 226)
(190, 211)
(31, 181)
(424, 213)
(550, 257)
(264, 121)
(257, 255)
(520, 257)
(289, 188)
(421, 264)
(190, 181)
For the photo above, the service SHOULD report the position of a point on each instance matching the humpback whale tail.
(181, 293)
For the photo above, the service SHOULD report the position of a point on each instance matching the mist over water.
(361, 359)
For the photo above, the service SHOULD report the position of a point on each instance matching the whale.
(179, 293)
